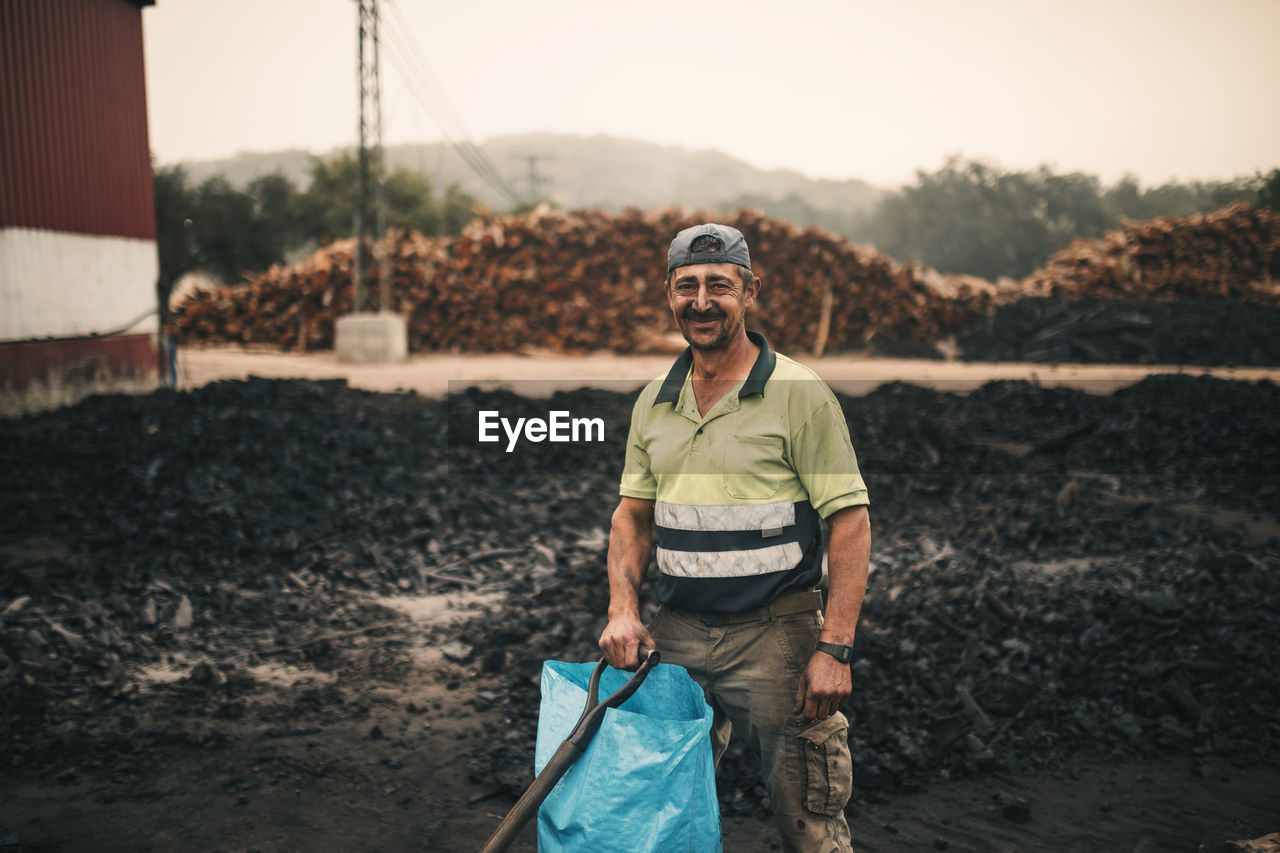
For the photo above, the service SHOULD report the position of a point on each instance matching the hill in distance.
(596, 171)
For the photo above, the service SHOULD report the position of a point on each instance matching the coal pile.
(1057, 576)
(1196, 290)
(1043, 589)
(239, 523)
(1211, 333)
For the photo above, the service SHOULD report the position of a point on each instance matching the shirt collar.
(754, 384)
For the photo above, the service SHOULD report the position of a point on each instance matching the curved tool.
(568, 751)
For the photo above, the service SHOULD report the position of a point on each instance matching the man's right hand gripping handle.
(622, 641)
(630, 539)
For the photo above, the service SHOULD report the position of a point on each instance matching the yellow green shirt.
(738, 493)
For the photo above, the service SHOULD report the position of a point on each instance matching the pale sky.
(1163, 89)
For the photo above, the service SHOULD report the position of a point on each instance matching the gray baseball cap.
(715, 244)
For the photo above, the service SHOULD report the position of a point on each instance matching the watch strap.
(844, 654)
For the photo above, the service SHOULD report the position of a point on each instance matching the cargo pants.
(749, 666)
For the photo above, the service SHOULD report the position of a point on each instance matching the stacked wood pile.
(295, 306)
(1232, 253)
(585, 280)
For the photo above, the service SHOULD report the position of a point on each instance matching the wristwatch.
(844, 654)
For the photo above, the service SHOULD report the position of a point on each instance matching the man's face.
(710, 303)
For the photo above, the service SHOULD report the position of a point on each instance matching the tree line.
(969, 216)
(972, 217)
(230, 232)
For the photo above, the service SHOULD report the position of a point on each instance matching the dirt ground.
(434, 374)
(382, 752)
(394, 776)
(392, 772)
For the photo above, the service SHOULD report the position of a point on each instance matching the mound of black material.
(1042, 589)
(1057, 575)
(1099, 331)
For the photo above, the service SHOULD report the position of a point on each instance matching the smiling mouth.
(703, 322)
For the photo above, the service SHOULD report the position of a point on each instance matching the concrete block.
(371, 338)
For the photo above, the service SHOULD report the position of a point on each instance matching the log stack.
(572, 281)
(587, 280)
(1232, 253)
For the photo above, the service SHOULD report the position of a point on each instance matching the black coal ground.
(1052, 330)
(1211, 332)
(1056, 575)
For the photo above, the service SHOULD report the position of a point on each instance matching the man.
(732, 460)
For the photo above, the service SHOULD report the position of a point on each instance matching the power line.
(465, 149)
(443, 107)
(436, 102)
(468, 154)
(427, 89)
(436, 88)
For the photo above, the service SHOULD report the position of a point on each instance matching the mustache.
(703, 316)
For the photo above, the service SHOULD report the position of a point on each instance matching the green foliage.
(214, 227)
(326, 211)
(328, 206)
(1269, 190)
(231, 232)
(228, 238)
(218, 228)
(1126, 198)
(972, 217)
(174, 208)
(968, 216)
(795, 208)
(456, 209)
(275, 210)
(410, 203)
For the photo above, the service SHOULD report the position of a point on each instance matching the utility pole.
(380, 188)
(369, 153)
(363, 336)
(535, 180)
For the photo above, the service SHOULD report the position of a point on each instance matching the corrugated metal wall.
(74, 154)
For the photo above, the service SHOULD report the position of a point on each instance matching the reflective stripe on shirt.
(732, 541)
(724, 516)
(730, 564)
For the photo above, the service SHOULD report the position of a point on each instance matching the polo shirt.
(740, 493)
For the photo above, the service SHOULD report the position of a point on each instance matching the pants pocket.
(828, 768)
(797, 637)
(652, 627)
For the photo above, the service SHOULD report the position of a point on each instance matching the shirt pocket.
(753, 466)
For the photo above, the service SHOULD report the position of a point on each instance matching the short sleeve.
(823, 456)
(637, 476)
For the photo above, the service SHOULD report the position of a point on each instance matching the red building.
(78, 260)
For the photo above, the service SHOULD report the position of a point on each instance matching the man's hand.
(824, 686)
(622, 640)
(630, 538)
(827, 683)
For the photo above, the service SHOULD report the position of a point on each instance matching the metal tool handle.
(593, 714)
(568, 751)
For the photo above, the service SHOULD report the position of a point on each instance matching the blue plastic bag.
(646, 781)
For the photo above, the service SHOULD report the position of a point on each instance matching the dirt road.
(542, 374)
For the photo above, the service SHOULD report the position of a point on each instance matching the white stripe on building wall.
(724, 516)
(729, 564)
(55, 284)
